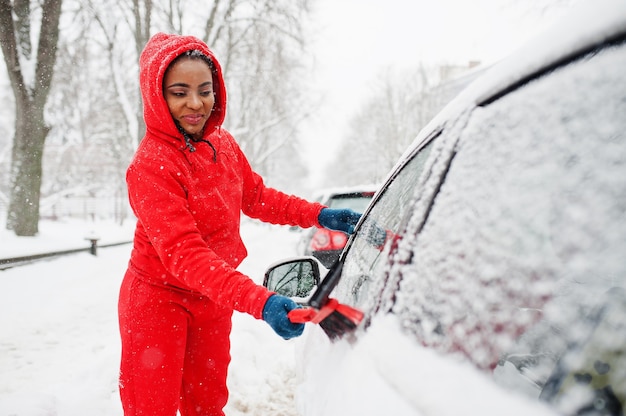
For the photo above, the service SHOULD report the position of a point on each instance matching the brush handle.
(321, 297)
(301, 315)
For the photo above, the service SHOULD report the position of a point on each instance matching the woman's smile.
(193, 119)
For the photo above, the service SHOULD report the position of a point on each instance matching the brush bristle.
(336, 324)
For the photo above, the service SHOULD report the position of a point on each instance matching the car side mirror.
(293, 278)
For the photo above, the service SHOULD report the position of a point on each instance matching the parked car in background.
(498, 242)
(326, 245)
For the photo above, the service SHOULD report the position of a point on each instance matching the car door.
(523, 247)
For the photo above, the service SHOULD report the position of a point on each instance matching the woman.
(188, 184)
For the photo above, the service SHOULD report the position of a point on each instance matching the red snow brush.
(335, 318)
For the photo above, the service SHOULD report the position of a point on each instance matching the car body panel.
(386, 373)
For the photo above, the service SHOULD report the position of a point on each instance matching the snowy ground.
(59, 342)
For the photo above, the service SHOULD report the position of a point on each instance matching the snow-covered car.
(491, 265)
(326, 245)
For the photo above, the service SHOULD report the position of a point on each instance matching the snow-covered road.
(59, 342)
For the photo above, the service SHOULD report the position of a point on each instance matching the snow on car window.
(526, 236)
(372, 241)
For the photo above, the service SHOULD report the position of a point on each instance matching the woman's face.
(188, 90)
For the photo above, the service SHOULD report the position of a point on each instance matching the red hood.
(157, 55)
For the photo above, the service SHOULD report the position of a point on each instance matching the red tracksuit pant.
(175, 351)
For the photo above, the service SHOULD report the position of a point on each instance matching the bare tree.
(30, 72)
(124, 25)
(90, 137)
(383, 128)
(264, 46)
(401, 105)
(92, 109)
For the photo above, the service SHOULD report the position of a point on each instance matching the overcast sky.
(353, 40)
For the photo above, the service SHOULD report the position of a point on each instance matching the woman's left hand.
(339, 219)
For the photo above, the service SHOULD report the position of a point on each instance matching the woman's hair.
(195, 54)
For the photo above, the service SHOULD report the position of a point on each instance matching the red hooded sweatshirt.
(188, 204)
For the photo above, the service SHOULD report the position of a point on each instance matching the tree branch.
(47, 49)
(9, 49)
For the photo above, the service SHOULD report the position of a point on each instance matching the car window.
(525, 241)
(378, 230)
(357, 203)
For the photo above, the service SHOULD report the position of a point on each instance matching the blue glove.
(338, 219)
(275, 314)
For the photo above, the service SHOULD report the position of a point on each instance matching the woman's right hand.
(275, 314)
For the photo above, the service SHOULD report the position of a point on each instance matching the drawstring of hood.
(188, 142)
